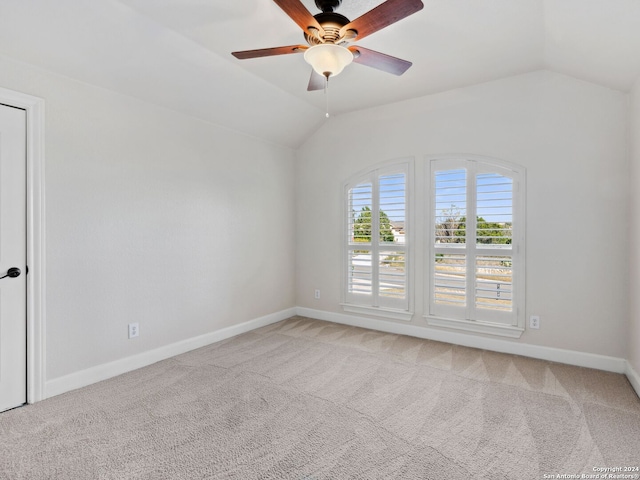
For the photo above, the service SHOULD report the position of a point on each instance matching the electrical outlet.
(534, 321)
(134, 330)
(317, 294)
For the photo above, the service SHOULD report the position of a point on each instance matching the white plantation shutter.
(494, 259)
(376, 243)
(476, 274)
(449, 241)
(474, 253)
(360, 278)
(392, 272)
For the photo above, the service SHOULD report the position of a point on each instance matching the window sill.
(476, 327)
(378, 311)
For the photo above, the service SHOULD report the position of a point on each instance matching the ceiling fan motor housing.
(331, 23)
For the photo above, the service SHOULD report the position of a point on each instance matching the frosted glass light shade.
(328, 59)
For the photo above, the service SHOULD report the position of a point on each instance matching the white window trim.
(386, 312)
(476, 326)
(516, 329)
(380, 169)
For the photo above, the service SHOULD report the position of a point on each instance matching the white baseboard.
(98, 373)
(633, 377)
(124, 365)
(570, 357)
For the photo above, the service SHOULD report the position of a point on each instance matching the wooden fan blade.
(382, 16)
(378, 60)
(299, 14)
(268, 52)
(316, 82)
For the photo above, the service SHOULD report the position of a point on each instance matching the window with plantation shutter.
(376, 280)
(476, 272)
(471, 240)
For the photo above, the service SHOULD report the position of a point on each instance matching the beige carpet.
(305, 399)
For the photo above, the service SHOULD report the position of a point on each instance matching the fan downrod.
(328, 6)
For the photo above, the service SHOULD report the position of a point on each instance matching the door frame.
(36, 345)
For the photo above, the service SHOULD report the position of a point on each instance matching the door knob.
(13, 272)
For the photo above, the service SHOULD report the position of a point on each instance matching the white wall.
(153, 217)
(571, 137)
(188, 228)
(634, 290)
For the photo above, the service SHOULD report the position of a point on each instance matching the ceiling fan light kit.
(328, 59)
(328, 35)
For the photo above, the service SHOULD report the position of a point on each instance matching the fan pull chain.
(326, 96)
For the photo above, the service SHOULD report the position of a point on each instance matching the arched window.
(470, 229)
(476, 266)
(377, 257)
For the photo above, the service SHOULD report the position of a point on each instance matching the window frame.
(513, 324)
(401, 310)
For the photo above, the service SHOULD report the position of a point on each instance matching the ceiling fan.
(328, 35)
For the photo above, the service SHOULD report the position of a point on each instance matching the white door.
(13, 255)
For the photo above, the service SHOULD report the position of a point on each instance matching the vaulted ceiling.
(176, 53)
